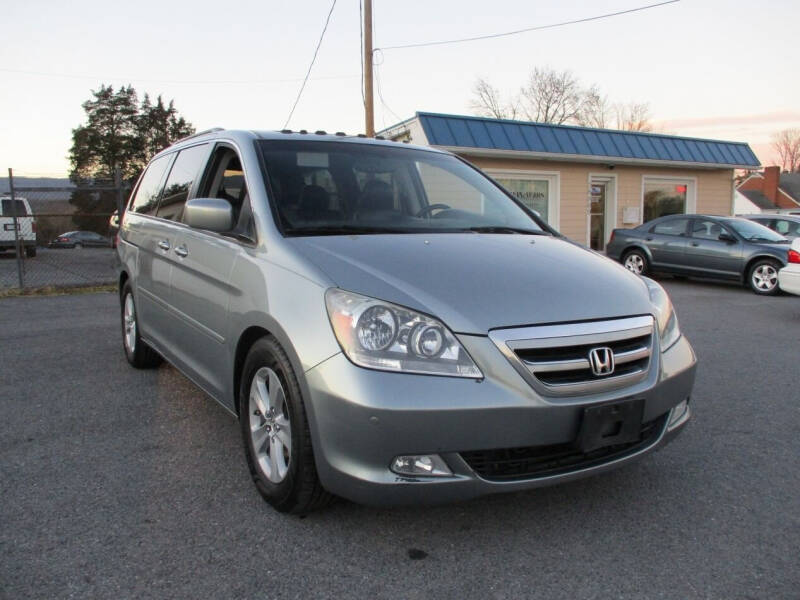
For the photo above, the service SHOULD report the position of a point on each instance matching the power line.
(518, 31)
(171, 82)
(313, 59)
(379, 89)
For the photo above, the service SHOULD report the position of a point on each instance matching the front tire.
(139, 354)
(30, 251)
(763, 277)
(636, 262)
(275, 431)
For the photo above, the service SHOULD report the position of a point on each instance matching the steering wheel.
(430, 208)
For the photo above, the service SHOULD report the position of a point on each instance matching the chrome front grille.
(557, 359)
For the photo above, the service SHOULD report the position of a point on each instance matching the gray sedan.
(705, 246)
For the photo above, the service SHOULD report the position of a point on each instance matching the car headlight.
(381, 335)
(668, 330)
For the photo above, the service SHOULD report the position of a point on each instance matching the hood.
(478, 282)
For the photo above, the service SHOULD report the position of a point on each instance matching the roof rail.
(199, 133)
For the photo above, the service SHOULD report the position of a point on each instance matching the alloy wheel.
(270, 426)
(129, 320)
(765, 278)
(634, 262)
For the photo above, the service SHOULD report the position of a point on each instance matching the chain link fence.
(60, 234)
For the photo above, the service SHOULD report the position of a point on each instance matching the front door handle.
(695, 244)
(648, 239)
(182, 251)
(164, 245)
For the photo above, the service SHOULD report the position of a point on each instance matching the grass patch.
(51, 290)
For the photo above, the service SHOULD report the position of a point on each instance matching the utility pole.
(369, 107)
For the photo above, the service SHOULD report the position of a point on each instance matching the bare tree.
(487, 102)
(787, 144)
(552, 97)
(559, 97)
(633, 116)
(596, 111)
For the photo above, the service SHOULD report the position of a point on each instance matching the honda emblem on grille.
(602, 360)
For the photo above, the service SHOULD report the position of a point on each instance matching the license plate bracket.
(610, 424)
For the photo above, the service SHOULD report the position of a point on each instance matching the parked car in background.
(786, 225)
(80, 239)
(384, 321)
(704, 246)
(26, 225)
(789, 276)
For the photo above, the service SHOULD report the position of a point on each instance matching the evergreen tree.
(158, 126)
(118, 132)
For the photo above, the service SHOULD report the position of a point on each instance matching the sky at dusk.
(720, 69)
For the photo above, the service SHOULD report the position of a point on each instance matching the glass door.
(597, 215)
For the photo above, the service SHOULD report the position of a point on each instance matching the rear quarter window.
(146, 199)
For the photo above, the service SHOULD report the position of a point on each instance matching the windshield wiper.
(504, 229)
(342, 230)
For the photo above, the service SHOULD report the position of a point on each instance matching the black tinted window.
(671, 227)
(14, 208)
(146, 199)
(185, 170)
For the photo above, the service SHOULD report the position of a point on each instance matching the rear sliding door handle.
(182, 251)
(695, 244)
(164, 245)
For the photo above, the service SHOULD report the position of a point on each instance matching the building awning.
(479, 135)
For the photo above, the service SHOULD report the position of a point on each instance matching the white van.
(26, 224)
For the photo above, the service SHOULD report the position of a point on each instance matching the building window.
(535, 191)
(665, 197)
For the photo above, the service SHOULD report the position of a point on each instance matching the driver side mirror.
(724, 236)
(211, 214)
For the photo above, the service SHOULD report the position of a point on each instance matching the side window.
(706, 230)
(784, 227)
(185, 170)
(14, 208)
(671, 227)
(226, 181)
(146, 199)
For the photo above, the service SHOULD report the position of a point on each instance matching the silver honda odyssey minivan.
(389, 324)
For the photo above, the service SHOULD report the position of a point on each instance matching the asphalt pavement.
(117, 483)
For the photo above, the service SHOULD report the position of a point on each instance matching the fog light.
(431, 465)
(678, 412)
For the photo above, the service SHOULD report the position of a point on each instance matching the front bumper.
(361, 419)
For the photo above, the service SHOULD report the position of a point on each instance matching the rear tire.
(636, 262)
(763, 277)
(139, 354)
(275, 431)
(30, 251)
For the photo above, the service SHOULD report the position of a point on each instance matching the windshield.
(337, 188)
(754, 232)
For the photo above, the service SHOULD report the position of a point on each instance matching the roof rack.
(199, 133)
